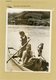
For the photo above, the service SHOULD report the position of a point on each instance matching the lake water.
(37, 34)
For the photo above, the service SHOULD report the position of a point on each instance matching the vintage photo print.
(28, 40)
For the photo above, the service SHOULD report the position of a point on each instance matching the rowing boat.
(39, 64)
(23, 68)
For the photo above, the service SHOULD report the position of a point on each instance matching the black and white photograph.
(28, 40)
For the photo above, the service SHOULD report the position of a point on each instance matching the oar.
(18, 51)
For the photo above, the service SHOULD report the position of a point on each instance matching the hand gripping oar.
(18, 51)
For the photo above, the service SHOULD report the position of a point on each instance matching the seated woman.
(27, 57)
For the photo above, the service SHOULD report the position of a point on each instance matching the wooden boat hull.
(17, 63)
(37, 66)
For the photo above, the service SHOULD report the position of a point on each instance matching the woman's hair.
(21, 33)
